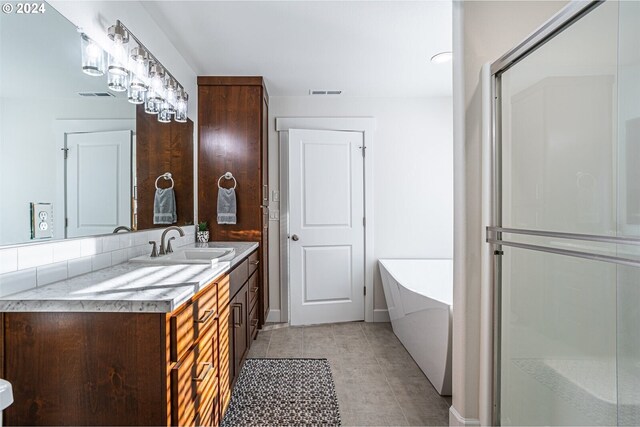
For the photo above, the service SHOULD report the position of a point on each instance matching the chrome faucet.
(121, 228)
(163, 250)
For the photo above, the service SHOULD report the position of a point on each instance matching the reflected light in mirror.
(92, 57)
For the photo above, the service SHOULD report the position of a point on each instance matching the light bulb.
(171, 95)
(138, 65)
(118, 57)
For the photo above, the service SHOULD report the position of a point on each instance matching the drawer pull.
(208, 315)
(237, 319)
(254, 322)
(205, 372)
(254, 262)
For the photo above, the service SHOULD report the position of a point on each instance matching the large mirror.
(73, 161)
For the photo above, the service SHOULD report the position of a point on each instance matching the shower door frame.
(571, 13)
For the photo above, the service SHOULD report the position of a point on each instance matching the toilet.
(6, 397)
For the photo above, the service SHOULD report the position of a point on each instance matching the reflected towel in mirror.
(227, 206)
(164, 206)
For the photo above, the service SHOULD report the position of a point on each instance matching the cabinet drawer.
(253, 262)
(191, 321)
(253, 290)
(238, 276)
(253, 322)
(194, 382)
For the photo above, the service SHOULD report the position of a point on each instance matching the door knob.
(295, 238)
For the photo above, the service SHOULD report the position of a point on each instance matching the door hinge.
(498, 252)
(365, 291)
(66, 153)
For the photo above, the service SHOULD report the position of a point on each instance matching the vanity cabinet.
(233, 137)
(94, 368)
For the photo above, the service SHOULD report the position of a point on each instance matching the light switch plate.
(41, 220)
(275, 196)
(274, 215)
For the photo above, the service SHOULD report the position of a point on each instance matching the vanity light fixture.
(138, 72)
(92, 57)
(181, 106)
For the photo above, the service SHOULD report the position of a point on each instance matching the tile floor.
(377, 382)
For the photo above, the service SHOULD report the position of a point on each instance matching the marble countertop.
(128, 287)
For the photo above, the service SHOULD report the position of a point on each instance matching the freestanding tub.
(419, 294)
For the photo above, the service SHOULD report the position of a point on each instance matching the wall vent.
(325, 92)
(97, 94)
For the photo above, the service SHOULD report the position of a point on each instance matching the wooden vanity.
(110, 368)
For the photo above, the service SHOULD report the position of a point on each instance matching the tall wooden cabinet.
(233, 137)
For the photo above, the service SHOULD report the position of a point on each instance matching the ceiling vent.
(325, 92)
(97, 94)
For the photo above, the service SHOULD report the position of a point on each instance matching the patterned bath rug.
(284, 392)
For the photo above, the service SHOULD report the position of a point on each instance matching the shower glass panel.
(570, 147)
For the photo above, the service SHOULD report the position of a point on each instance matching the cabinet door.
(240, 331)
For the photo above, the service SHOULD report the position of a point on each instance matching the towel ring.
(228, 175)
(167, 176)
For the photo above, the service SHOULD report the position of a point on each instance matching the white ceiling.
(364, 48)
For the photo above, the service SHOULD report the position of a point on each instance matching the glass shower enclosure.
(565, 229)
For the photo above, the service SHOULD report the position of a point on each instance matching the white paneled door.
(326, 226)
(98, 182)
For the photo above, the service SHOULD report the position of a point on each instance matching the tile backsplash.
(26, 267)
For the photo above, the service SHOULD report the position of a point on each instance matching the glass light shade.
(135, 95)
(152, 105)
(92, 57)
(171, 96)
(164, 116)
(182, 108)
(139, 66)
(118, 82)
(119, 56)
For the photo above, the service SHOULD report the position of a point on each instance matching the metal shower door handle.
(295, 238)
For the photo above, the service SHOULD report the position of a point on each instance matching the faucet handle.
(169, 248)
(154, 250)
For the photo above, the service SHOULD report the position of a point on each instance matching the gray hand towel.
(164, 206)
(227, 206)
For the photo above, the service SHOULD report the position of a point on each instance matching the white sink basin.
(191, 256)
(6, 394)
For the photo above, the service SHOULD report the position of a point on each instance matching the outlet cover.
(275, 196)
(274, 215)
(41, 220)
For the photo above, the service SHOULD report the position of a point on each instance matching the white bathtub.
(419, 295)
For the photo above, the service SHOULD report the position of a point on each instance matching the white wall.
(413, 175)
(482, 32)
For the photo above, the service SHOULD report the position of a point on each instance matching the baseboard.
(457, 420)
(381, 315)
(273, 316)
